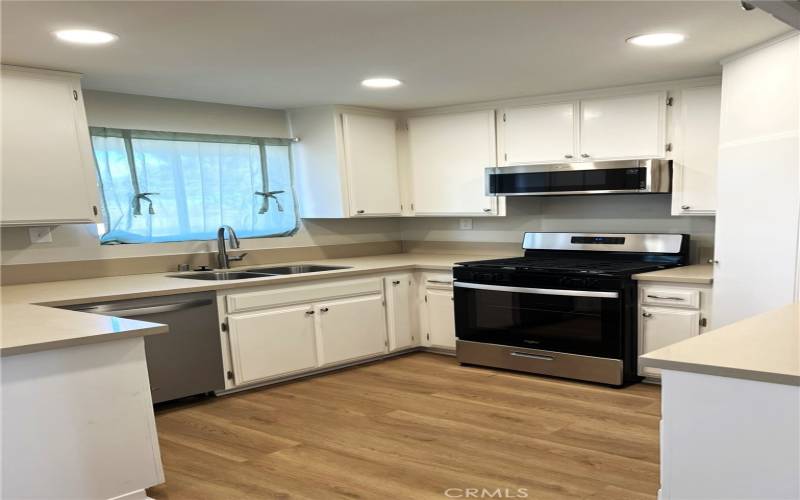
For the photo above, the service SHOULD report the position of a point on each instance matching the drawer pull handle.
(309, 313)
(531, 356)
(647, 315)
(664, 298)
(323, 309)
(396, 282)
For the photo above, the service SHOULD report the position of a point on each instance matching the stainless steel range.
(567, 308)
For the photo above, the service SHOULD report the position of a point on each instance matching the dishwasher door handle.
(144, 311)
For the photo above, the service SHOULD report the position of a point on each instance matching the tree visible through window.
(164, 186)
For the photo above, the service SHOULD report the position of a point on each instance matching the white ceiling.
(287, 54)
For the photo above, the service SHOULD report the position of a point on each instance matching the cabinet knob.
(487, 210)
(646, 314)
(309, 313)
(713, 261)
(685, 207)
(585, 155)
(568, 156)
(395, 282)
(323, 309)
(359, 211)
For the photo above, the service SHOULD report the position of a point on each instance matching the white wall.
(107, 109)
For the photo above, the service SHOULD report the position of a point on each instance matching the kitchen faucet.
(223, 259)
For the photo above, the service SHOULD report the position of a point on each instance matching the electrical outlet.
(40, 234)
(465, 223)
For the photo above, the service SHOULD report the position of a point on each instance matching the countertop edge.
(721, 371)
(238, 284)
(81, 341)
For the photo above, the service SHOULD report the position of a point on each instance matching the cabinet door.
(398, 311)
(448, 155)
(661, 327)
(370, 151)
(755, 241)
(623, 127)
(440, 318)
(695, 184)
(48, 167)
(272, 342)
(351, 328)
(539, 134)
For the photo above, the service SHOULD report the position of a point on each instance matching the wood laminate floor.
(414, 427)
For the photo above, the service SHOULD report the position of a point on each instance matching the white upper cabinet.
(539, 134)
(623, 127)
(370, 152)
(48, 167)
(695, 163)
(345, 163)
(448, 155)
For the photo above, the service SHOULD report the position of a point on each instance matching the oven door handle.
(538, 291)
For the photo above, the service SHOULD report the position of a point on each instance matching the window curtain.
(161, 186)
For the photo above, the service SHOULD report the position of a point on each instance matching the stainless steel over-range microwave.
(601, 177)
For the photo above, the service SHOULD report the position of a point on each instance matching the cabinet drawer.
(439, 281)
(285, 295)
(673, 297)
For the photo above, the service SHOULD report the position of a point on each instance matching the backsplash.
(605, 214)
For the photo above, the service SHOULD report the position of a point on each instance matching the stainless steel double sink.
(259, 272)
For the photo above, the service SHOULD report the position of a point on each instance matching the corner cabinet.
(439, 317)
(48, 167)
(345, 162)
(697, 146)
(448, 155)
(400, 311)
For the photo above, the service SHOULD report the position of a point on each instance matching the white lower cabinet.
(399, 313)
(670, 313)
(439, 318)
(351, 328)
(662, 326)
(272, 342)
(285, 330)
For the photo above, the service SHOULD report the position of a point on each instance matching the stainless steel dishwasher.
(188, 359)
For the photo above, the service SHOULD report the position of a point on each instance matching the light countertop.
(696, 274)
(29, 325)
(765, 348)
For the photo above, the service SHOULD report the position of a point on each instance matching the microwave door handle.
(538, 291)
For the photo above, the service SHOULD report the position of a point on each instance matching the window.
(164, 186)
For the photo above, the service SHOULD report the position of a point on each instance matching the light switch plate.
(40, 234)
(465, 223)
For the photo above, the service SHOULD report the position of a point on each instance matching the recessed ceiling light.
(656, 39)
(381, 83)
(85, 37)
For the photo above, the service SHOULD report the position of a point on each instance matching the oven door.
(584, 322)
